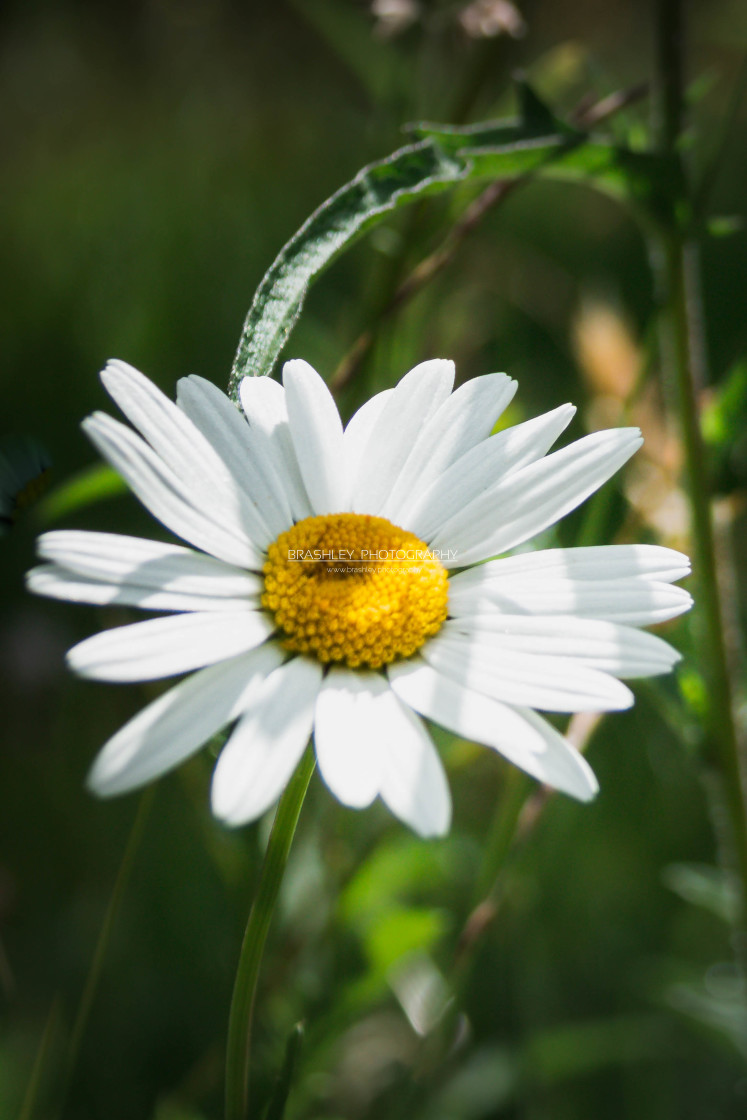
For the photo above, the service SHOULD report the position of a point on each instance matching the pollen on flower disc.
(350, 588)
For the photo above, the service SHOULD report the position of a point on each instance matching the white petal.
(249, 454)
(163, 493)
(633, 602)
(357, 434)
(598, 562)
(184, 450)
(163, 647)
(412, 779)
(175, 725)
(263, 402)
(413, 401)
(111, 558)
(481, 467)
(523, 738)
(267, 743)
(347, 747)
(463, 420)
(550, 683)
(316, 429)
(607, 646)
(59, 583)
(528, 501)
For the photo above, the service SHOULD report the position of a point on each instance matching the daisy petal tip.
(225, 811)
(630, 437)
(437, 823)
(686, 602)
(224, 818)
(443, 367)
(298, 368)
(184, 384)
(92, 425)
(96, 785)
(79, 666)
(82, 659)
(627, 699)
(120, 364)
(443, 829)
(30, 579)
(116, 372)
(43, 544)
(226, 803)
(590, 792)
(434, 829)
(103, 780)
(436, 371)
(220, 805)
(37, 581)
(618, 696)
(113, 366)
(580, 782)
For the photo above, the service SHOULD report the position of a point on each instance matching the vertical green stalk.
(672, 259)
(723, 732)
(255, 936)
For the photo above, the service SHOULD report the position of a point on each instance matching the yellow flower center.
(353, 588)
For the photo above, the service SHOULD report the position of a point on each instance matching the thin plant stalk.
(680, 321)
(238, 1052)
(723, 731)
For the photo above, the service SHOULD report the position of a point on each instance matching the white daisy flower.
(342, 583)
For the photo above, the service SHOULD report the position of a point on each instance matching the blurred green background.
(155, 157)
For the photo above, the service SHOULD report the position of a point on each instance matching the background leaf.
(439, 161)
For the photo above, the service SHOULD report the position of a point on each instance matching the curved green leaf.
(440, 158)
(430, 164)
(93, 484)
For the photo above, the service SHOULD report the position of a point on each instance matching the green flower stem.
(252, 948)
(679, 323)
(723, 732)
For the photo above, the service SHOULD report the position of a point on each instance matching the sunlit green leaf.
(94, 484)
(401, 932)
(441, 157)
(401, 870)
(439, 160)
